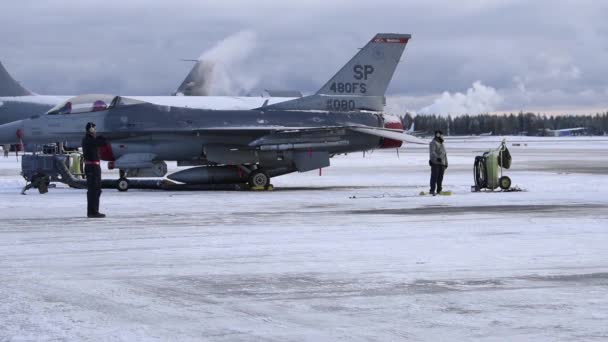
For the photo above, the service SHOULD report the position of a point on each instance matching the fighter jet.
(17, 102)
(230, 145)
(200, 81)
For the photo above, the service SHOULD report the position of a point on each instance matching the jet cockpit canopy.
(91, 103)
(83, 104)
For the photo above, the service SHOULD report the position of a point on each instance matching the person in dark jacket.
(438, 160)
(90, 144)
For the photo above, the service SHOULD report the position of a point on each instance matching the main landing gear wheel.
(122, 184)
(504, 182)
(259, 179)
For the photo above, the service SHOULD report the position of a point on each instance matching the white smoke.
(478, 99)
(221, 69)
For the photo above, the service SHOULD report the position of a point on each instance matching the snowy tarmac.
(355, 254)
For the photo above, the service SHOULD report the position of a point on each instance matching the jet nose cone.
(11, 132)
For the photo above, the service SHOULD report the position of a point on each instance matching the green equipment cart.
(488, 169)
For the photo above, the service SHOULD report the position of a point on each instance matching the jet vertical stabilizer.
(10, 87)
(361, 83)
(372, 68)
(198, 81)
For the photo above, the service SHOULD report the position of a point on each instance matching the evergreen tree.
(511, 124)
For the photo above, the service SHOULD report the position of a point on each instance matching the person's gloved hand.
(430, 163)
(439, 160)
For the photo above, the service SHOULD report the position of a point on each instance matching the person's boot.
(432, 192)
(96, 215)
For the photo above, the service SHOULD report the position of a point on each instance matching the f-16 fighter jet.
(231, 145)
(18, 103)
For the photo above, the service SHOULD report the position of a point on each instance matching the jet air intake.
(11, 133)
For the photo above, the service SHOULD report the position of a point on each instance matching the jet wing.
(302, 135)
(389, 134)
(278, 134)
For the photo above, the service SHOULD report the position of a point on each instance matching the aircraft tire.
(122, 184)
(259, 178)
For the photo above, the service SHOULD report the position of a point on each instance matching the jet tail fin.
(197, 82)
(361, 83)
(370, 71)
(412, 128)
(10, 87)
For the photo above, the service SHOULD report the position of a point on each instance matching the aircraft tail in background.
(9, 87)
(197, 82)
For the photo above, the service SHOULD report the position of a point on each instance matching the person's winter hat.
(89, 125)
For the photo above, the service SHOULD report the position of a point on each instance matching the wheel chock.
(269, 187)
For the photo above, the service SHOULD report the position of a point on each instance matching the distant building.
(565, 132)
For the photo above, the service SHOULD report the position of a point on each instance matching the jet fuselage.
(176, 133)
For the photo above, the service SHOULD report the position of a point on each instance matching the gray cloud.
(532, 53)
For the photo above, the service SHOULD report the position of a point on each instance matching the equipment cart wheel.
(504, 182)
(259, 178)
(122, 184)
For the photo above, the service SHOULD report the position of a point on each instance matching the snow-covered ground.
(352, 255)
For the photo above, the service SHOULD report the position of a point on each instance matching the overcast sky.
(489, 55)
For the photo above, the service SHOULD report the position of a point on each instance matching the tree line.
(530, 124)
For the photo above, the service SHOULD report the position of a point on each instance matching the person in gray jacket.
(438, 160)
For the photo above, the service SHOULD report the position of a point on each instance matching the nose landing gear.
(123, 183)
